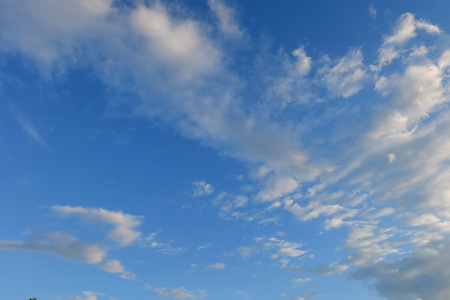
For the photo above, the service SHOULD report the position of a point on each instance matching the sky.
(215, 149)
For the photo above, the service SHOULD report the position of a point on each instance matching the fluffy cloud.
(201, 188)
(124, 225)
(403, 32)
(347, 77)
(352, 164)
(112, 266)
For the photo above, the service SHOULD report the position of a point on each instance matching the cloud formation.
(59, 244)
(376, 167)
(180, 293)
(124, 232)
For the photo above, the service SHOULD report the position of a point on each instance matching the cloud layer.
(315, 145)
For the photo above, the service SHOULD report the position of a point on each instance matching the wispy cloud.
(217, 266)
(313, 145)
(180, 293)
(60, 244)
(26, 125)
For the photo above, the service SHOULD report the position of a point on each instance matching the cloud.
(165, 248)
(301, 280)
(226, 16)
(87, 296)
(217, 266)
(27, 126)
(303, 63)
(52, 29)
(112, 266)
(180, 293)
(347, 77)
(404, 31)
(312, 211)
(205, 246)
(421, 275)
(180, 44)
(59, 244)
(201, 188)
(230, 205)
(372, 11)
(124, 225)
(377, 164)
(276, 248)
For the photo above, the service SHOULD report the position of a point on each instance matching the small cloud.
(180, 293)
(301, 280)
(128, 275)
(201, 188)
(112, 266)
(218, 266)
(164, 248)
(27, 126)
(225, 15)
(87, 296)
(372, 11)
(205, 246)
(391, 157)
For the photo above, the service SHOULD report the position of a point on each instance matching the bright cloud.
(354, 145)
(124, 231)
(88, 296)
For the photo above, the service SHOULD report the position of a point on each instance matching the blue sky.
(224, 150)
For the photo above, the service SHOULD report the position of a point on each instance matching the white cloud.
(201, 188)
(165, 248)
(87, 296)
(229, 204)
(404, 31)
(303, 63)
(301, 280)
(347, 77)
(276, 248)
(180, 293)
(332, 269)
(59, 244)
(112, 266)
(52, 28)
(218, 266)
(311, 211)
(415, 94)
(278, 187)
(393, 157)
(124, 225)
(128, 275)
(226, 16)
(180, 43)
